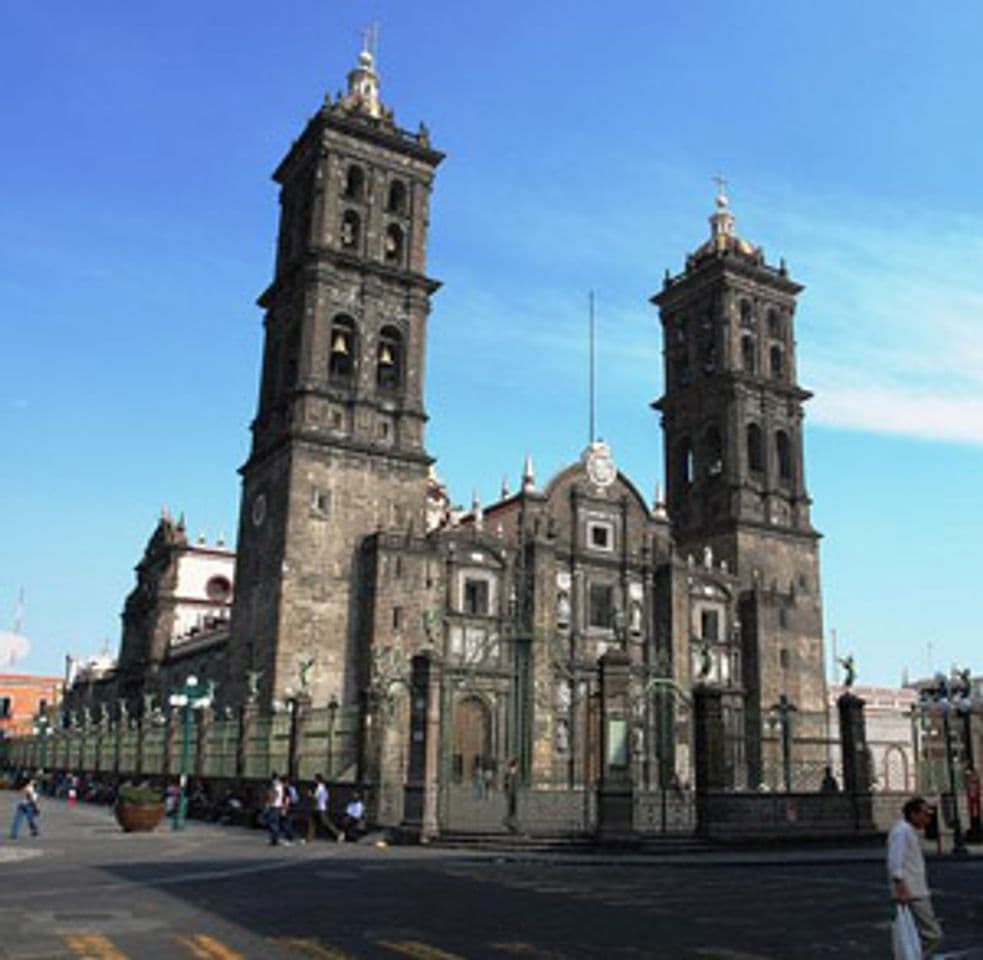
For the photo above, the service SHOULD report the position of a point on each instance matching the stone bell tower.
(337, 442)
(732, 417)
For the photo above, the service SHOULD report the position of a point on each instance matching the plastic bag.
(904, 936)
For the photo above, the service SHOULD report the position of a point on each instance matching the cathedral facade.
(348, 563)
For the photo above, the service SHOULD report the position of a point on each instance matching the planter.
(138, 817)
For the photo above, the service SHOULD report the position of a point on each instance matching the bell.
(340, 345)
(385, 356)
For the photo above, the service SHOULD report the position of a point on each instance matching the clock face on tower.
(599, 464)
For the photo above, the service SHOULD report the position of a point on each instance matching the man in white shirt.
(319, 816)
(906, 871)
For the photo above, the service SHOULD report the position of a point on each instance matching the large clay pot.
(139, 818)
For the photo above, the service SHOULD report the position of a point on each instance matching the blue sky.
(137, 225)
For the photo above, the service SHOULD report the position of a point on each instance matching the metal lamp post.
(941, 698)
(187, 698)
(42, 727)
(780, 711)
(332, 716)
(964, 702)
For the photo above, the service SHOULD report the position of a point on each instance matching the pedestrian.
(319, 815)
(26, 809)
(511, 787)
(906, 871)
(291, 801)
(353, 823)
(274, 809)
(477, 779)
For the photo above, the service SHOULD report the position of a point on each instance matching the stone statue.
(562, 736)
(252, 681)
(148, 705)
(635, 617)
(304, 673)
(706, 661)
(849, 670)
(563, 608)
(708, 557)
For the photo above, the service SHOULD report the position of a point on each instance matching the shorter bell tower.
(732, 418)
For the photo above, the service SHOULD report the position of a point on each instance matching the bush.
(140, 796)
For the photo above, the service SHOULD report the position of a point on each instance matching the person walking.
(906, 871)
(319, 815)
(275, 810)
(26, 809)
(511, 786)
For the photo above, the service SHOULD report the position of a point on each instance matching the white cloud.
(13, 647)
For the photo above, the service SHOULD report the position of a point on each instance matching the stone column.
(615, 812)
(299, 711)
(709, 747)
(856, 760)
(247, 722)
(420, 819)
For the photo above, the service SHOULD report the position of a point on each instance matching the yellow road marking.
(313, 948)
(520, 949)
(92, 946)
(417, 950)
(203, 947)
(722, 953)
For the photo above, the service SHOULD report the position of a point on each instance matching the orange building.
(21, 697)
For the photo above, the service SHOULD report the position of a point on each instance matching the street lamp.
(188, 698)
(332, 716)
(780, 715)
(964, 702)
(941, 698)
(42, 728)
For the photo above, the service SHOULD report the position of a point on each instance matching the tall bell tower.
(337, 443)
(732, 417)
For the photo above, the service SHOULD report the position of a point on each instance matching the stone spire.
(477, 514)
(528, 477)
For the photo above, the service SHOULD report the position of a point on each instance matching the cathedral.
(349, 564)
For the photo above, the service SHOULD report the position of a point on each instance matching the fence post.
(708, 746)
(615, 800)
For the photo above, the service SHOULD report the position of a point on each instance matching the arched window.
(389, 360)
(351, 230)
(713, 451)
(354, 182)
(755, 454)
(777, 361)
(783, 450)
(396, 202)
(774, 325)
(393, 245)
(748, 353)
(341, 358)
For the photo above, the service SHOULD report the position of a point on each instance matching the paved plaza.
(86, 890)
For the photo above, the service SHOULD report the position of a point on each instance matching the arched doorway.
(471, 738)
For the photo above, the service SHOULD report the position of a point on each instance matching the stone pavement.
(208, 893)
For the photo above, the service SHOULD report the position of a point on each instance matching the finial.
(477, 513)
(660, 504)
(505, 486)
(721, 198)
(528, 477)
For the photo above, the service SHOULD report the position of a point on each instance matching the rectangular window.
(4, 707)
(710, 625)
(476, 597)
(397, 618)
(600, 536)
(601, 613)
